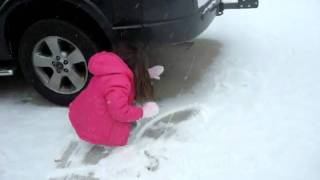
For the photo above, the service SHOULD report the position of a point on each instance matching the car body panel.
(145, 20)
(163, 10)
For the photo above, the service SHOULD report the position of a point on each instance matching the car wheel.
(53, 56)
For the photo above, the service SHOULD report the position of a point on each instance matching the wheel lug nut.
(66, 70)
(65, 62)
(58, 58)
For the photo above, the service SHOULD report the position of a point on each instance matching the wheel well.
(26, 14)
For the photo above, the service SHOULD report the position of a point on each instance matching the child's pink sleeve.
(117, 102)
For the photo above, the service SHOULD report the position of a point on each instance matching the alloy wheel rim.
(60, 65)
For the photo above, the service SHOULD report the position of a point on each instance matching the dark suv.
(51, 40)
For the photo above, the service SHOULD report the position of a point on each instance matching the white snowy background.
(254, 102)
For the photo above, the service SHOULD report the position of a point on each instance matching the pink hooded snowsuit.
(104, 111)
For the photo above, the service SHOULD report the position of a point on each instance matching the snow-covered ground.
(242, 102)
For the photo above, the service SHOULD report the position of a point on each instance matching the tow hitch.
(237, 4)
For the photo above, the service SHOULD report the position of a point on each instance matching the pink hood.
(108, 63)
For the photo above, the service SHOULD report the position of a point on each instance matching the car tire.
(53, 56)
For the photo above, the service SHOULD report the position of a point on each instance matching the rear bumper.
(176, 30)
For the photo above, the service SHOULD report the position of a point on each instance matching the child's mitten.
(155, 72)
(150, 109)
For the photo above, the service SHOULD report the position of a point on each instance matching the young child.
(104, 112)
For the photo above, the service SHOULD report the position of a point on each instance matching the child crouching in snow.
(104, 112)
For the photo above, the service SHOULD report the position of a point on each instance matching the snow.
(252, 108)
